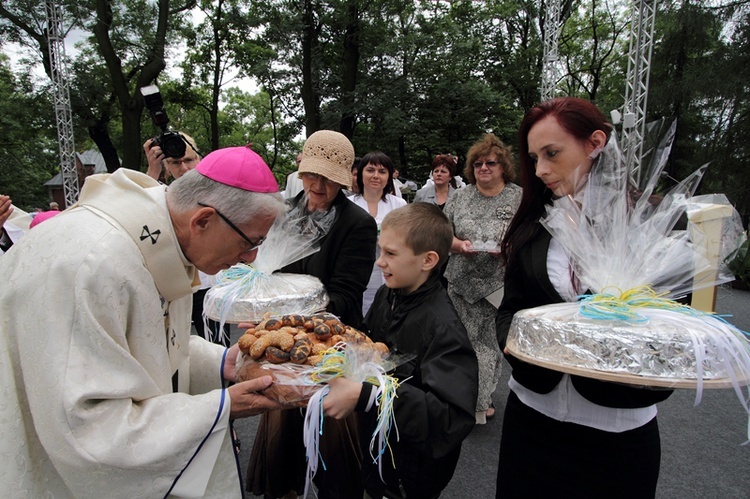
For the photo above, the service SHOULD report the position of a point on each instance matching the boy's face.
(401, 268)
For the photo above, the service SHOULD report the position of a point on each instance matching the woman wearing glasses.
(481, 213)
(343, 264)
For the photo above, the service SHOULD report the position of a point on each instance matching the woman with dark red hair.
(443, 184)
(565, 435)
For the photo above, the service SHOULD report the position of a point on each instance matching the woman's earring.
(595, 153)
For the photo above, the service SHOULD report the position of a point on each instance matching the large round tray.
(658, 353)
(251, 298)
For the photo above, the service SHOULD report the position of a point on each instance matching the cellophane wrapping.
(356, 364)
(660, 350)
(625, 249)
(619, 240)
(292, 383)
(305, 386)
(245, 293)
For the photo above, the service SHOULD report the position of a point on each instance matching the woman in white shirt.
(565, 435)
(377, 197)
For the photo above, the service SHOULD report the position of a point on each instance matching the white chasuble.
(104, 391)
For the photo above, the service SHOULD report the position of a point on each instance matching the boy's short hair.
(424, 227)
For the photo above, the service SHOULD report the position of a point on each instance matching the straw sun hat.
(329, 154)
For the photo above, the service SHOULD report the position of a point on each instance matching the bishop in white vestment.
(105, 393)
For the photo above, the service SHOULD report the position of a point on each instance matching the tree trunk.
(131, 105)
(100, 135)
(310, 96)
(216, 87)
(132, 141)
(351, 65)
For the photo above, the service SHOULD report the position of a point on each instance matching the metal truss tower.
(64, 117)
(551, 35)
(636, 88)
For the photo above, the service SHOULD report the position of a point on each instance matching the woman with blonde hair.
(481, 213)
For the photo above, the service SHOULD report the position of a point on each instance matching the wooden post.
(706, 226)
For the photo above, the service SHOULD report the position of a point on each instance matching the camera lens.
(172, 145)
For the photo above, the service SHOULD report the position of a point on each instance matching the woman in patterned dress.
(481, 213)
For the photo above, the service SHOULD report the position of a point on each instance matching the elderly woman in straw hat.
(343, 264)
(347, 252)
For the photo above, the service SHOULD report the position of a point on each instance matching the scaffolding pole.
(63, 114)
(636, 87)
(550, 39)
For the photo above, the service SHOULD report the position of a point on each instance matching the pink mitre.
(42, 216)
(239, 167)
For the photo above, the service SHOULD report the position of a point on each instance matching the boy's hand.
(342, 399)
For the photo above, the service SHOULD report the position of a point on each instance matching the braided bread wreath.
(294, 342)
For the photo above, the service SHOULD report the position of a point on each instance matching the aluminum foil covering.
(663, 347)
(276, 294)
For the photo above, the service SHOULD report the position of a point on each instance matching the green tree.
(28, 142)
(211, 60)
(130, 40)
(253, 119)
(683, 79)
(591, 46)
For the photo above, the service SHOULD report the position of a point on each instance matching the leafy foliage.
(412, 78)
(28, 151)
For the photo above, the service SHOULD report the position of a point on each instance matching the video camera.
(171, 142)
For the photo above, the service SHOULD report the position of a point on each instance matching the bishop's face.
(217, 244)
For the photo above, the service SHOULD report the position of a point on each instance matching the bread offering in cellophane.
(289, 347)
(302, 353)
(633, 257)
(245, 293)
(668, 348)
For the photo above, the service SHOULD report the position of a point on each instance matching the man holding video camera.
(160, 167)
(175, 151)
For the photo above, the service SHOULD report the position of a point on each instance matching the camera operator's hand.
(6, 209)
(155, 156)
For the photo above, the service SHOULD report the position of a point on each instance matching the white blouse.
(564, 403)
(384, 207)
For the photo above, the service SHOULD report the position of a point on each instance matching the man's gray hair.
(238, 205)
